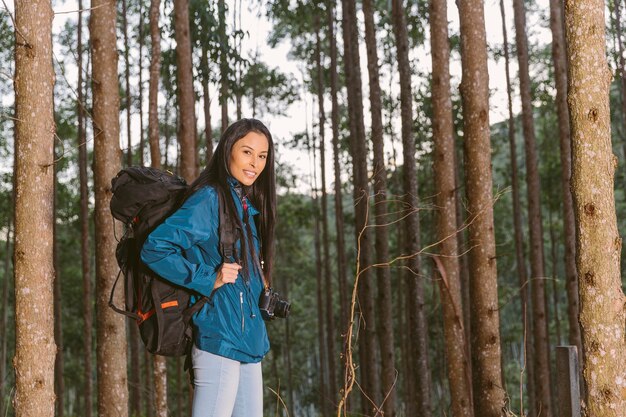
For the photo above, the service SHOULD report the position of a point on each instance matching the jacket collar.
(240, 192)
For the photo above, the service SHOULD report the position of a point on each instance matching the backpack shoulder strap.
(226, 231)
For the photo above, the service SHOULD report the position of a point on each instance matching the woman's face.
(248, 158)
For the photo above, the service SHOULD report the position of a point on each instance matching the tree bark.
(327, 282)
(602, 302)
(418, 327)
(541, 339)
(522, 273)
(383, 273)
(358, 150)
(457, 352)
(140, 87)
(111, 330)
(186, 97)
(153, 93)
(127, 98)
(485, 343)
(34, 197)
(85, 247)
(160, 385)
(340, 239)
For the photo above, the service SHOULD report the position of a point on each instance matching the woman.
(230, 334)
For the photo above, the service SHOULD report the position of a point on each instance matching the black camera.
(272, 306)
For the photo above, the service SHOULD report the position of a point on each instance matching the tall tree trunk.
(418, 327)
(602, 302)
(358, 150)
(328, 286)
(208, 130)
(153, 93)
(485, 342)
(541, 338)
(324, 392)
(160, 385)
(186, 97)
(221, 6)
(140, 92)
(85, 247)
(340, 240)
(522, 273)
(111, 331)
(383, 274)
(59, 365)
(34, 271)
(127, 98)
(5, 309)
(457, 352)
(133, 342)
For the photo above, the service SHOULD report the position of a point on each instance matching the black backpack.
(142, 198)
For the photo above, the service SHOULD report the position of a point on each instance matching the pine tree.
(34, 195)
(602, 302)
(111, 329)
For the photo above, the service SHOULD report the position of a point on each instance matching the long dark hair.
(262, 193)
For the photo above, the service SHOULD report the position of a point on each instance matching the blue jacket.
(184, 249)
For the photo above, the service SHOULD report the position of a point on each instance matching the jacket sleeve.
(164, 249)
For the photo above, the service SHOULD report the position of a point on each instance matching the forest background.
(289, 63)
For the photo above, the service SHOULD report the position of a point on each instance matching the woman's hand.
(226, 275)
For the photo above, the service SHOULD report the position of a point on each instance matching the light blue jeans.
(225, 387)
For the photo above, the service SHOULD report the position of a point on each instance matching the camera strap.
(255, 255)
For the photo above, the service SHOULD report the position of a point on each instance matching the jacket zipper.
(242, 316)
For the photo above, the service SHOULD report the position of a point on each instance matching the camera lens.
(282, 309)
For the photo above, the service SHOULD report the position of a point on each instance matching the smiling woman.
(248, 157)
(230, 334)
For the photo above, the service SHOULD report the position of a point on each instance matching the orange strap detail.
(169, 304)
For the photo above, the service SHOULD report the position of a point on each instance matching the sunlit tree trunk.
(457, 353)
(327, 282)
(522, 272)
(85, 247)
(383, 274)
(602, 302)
(186, 97)
(34, 198)
(340, 240)
(485, 342)
(418, 328)
(111, 330)
(160, 385)
(358, 150)
(153, 92)
(127, 98)
(541, 340)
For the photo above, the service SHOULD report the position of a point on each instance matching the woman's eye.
(263, 156)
